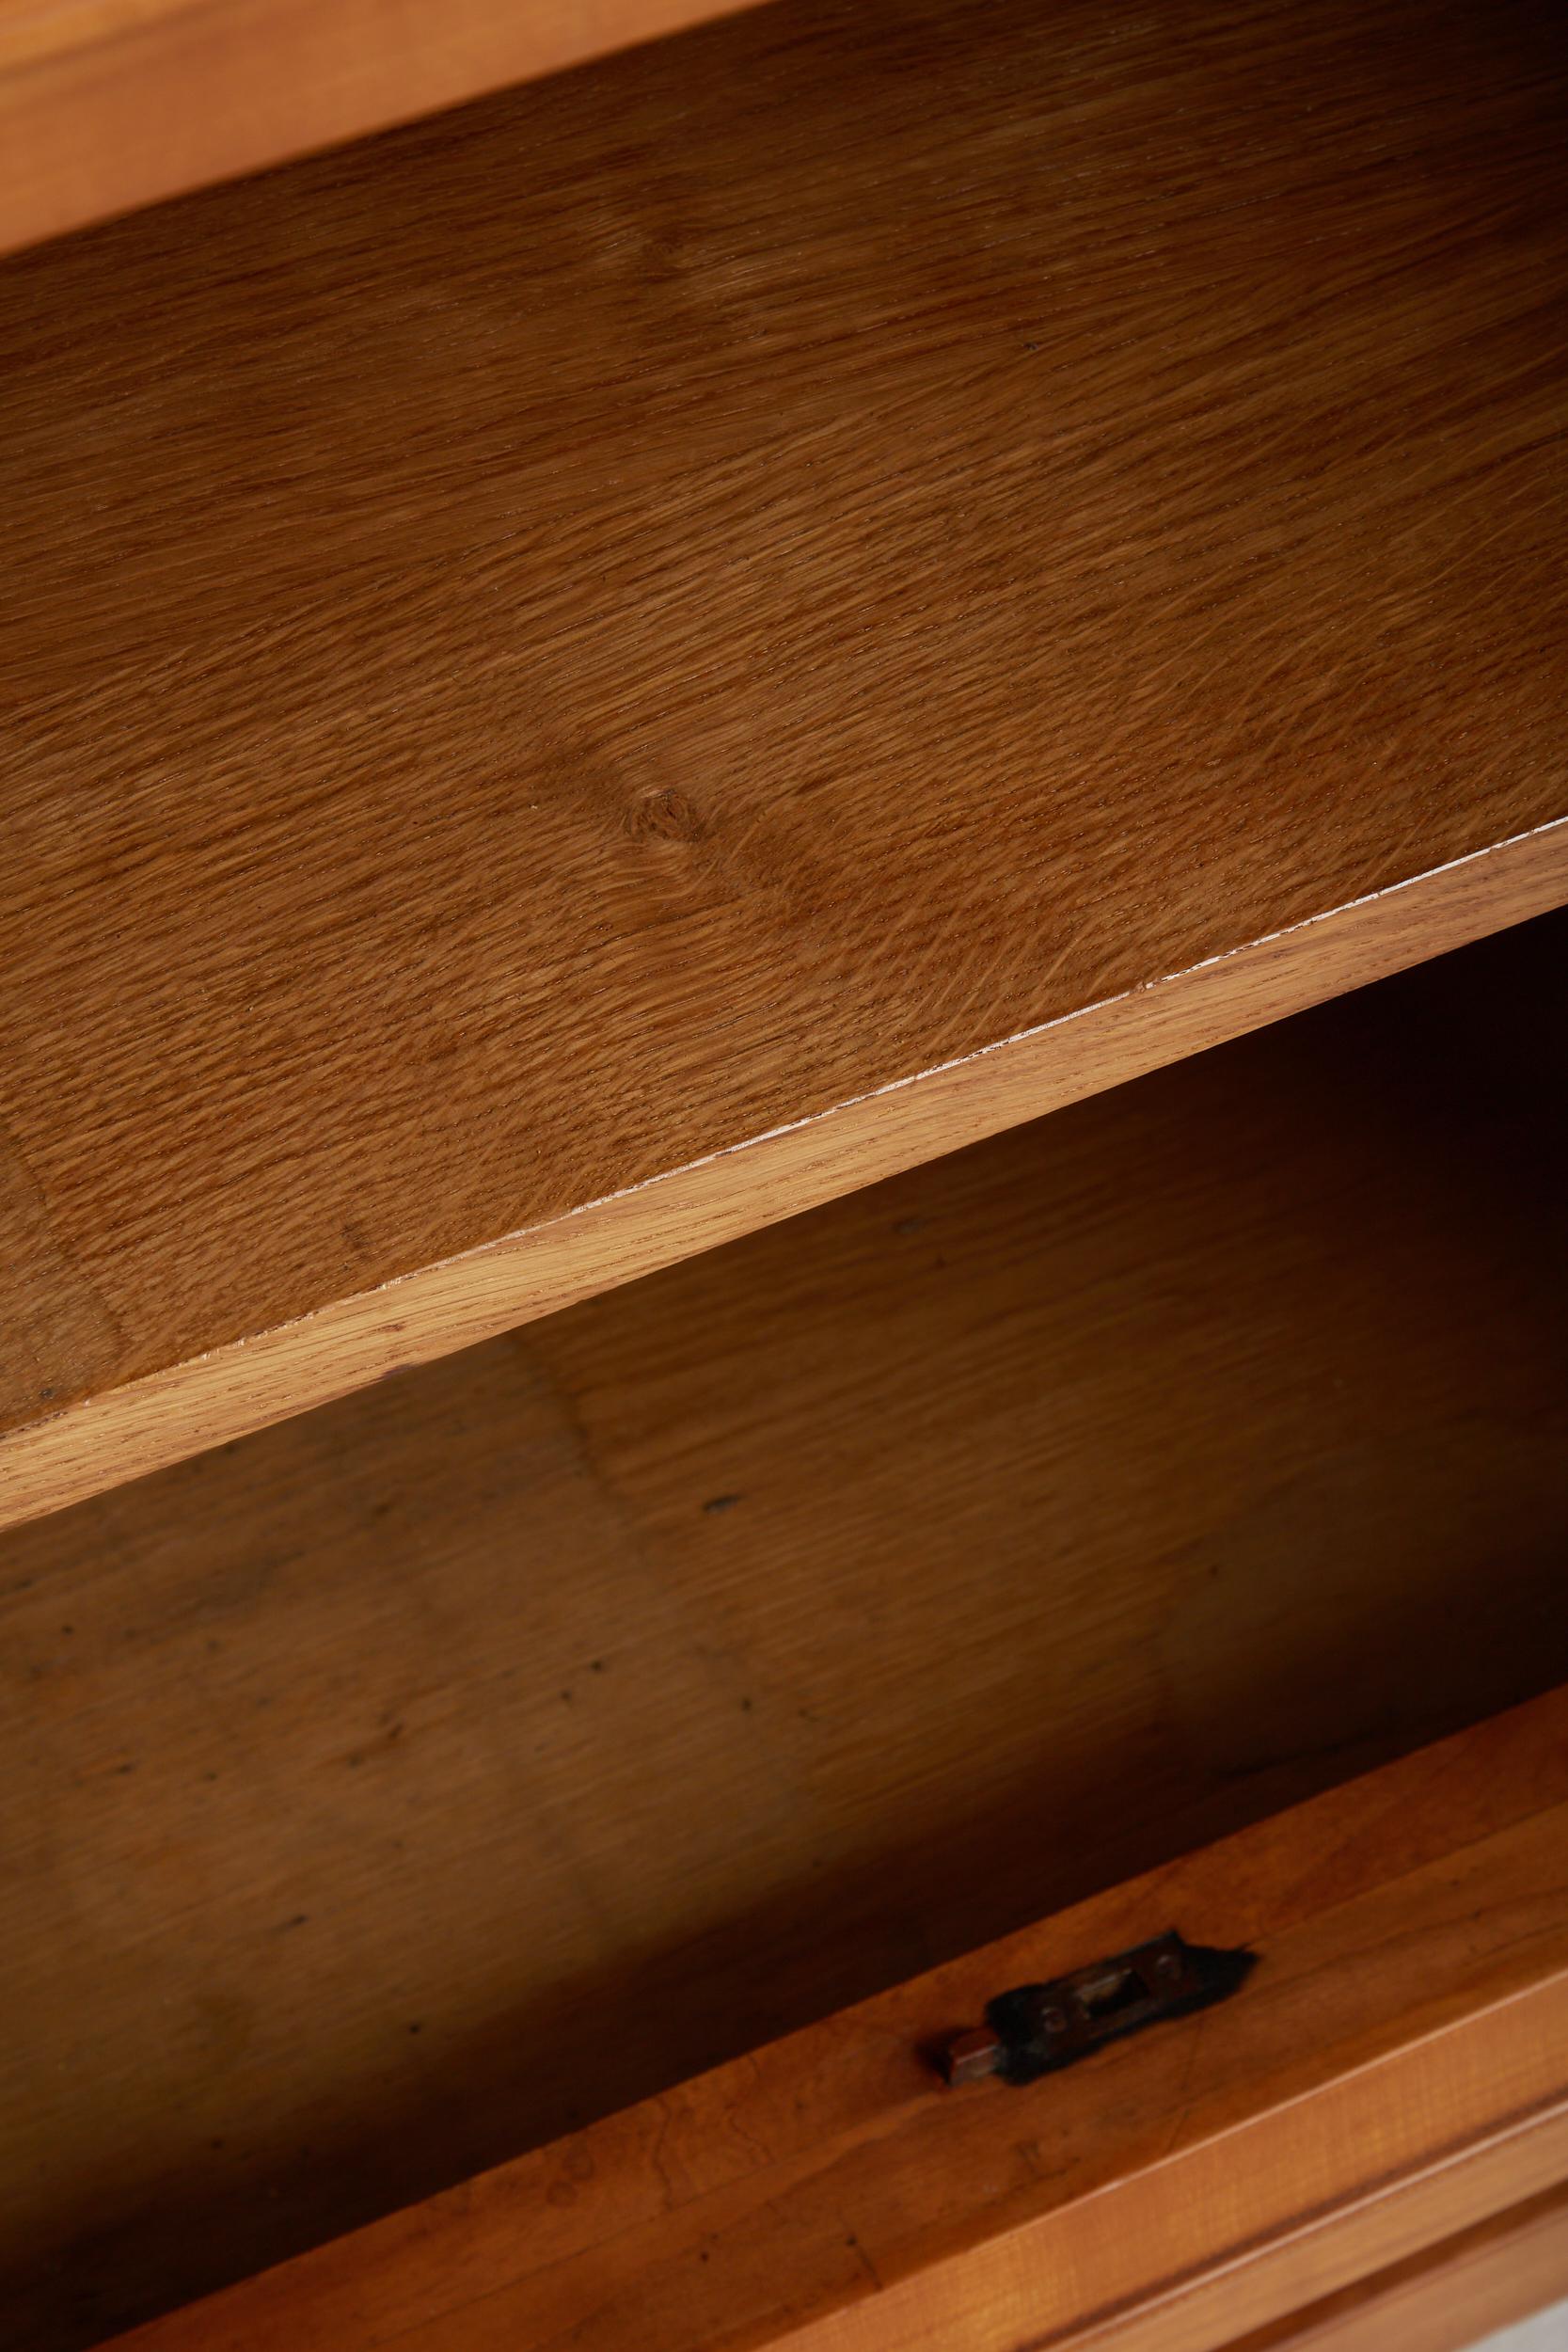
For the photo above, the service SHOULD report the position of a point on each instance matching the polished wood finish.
(1396, 2069)
(119, 1432)
(418, 1780)
(106, 104)
(823, 587)
(1446, 2298)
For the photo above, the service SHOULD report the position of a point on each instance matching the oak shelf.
(591, 674)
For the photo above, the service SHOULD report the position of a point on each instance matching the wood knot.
(666, 816)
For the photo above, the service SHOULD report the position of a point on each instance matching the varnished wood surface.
(1448, 2298)
(646, 617)
(1397, 2068)
(420, 1780)
(106, 104)
(116, 1432)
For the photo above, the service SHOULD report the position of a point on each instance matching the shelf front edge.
(125, 1431)
(103, 111)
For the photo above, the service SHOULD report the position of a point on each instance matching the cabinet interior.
(413, 1781)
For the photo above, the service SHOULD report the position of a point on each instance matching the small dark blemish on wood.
(911, 1224)
(666, 816)
(721, 1502)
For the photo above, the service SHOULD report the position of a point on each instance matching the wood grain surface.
(1396, 2069)
(106, 104)
(755, 595)
(420, 1780)
(1446, 2298)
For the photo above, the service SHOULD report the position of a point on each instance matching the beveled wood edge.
(106, 108)
(1405, 2078)
(126, 1431)
(1285, 2259)
(1447, 2298)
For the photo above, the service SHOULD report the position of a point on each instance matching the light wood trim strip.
(122, 1432)
(1446, 2298)
(1396, 2070)
(109, 104)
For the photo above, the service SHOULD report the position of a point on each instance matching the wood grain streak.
(729, 1647)
(1397, 2070)
(759, 594)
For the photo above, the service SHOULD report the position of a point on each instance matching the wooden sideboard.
(783, 1010)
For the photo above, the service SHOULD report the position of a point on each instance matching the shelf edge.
(165, 1416)
(107, 109)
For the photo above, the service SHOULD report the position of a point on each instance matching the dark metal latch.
(1038, 2028)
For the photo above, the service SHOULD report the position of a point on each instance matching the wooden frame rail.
(1394, 2073)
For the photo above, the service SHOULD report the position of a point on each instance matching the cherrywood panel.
(416, 1780)
(105, 105)
(1397, 2068)
(652, 615)
(1445, 2298)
